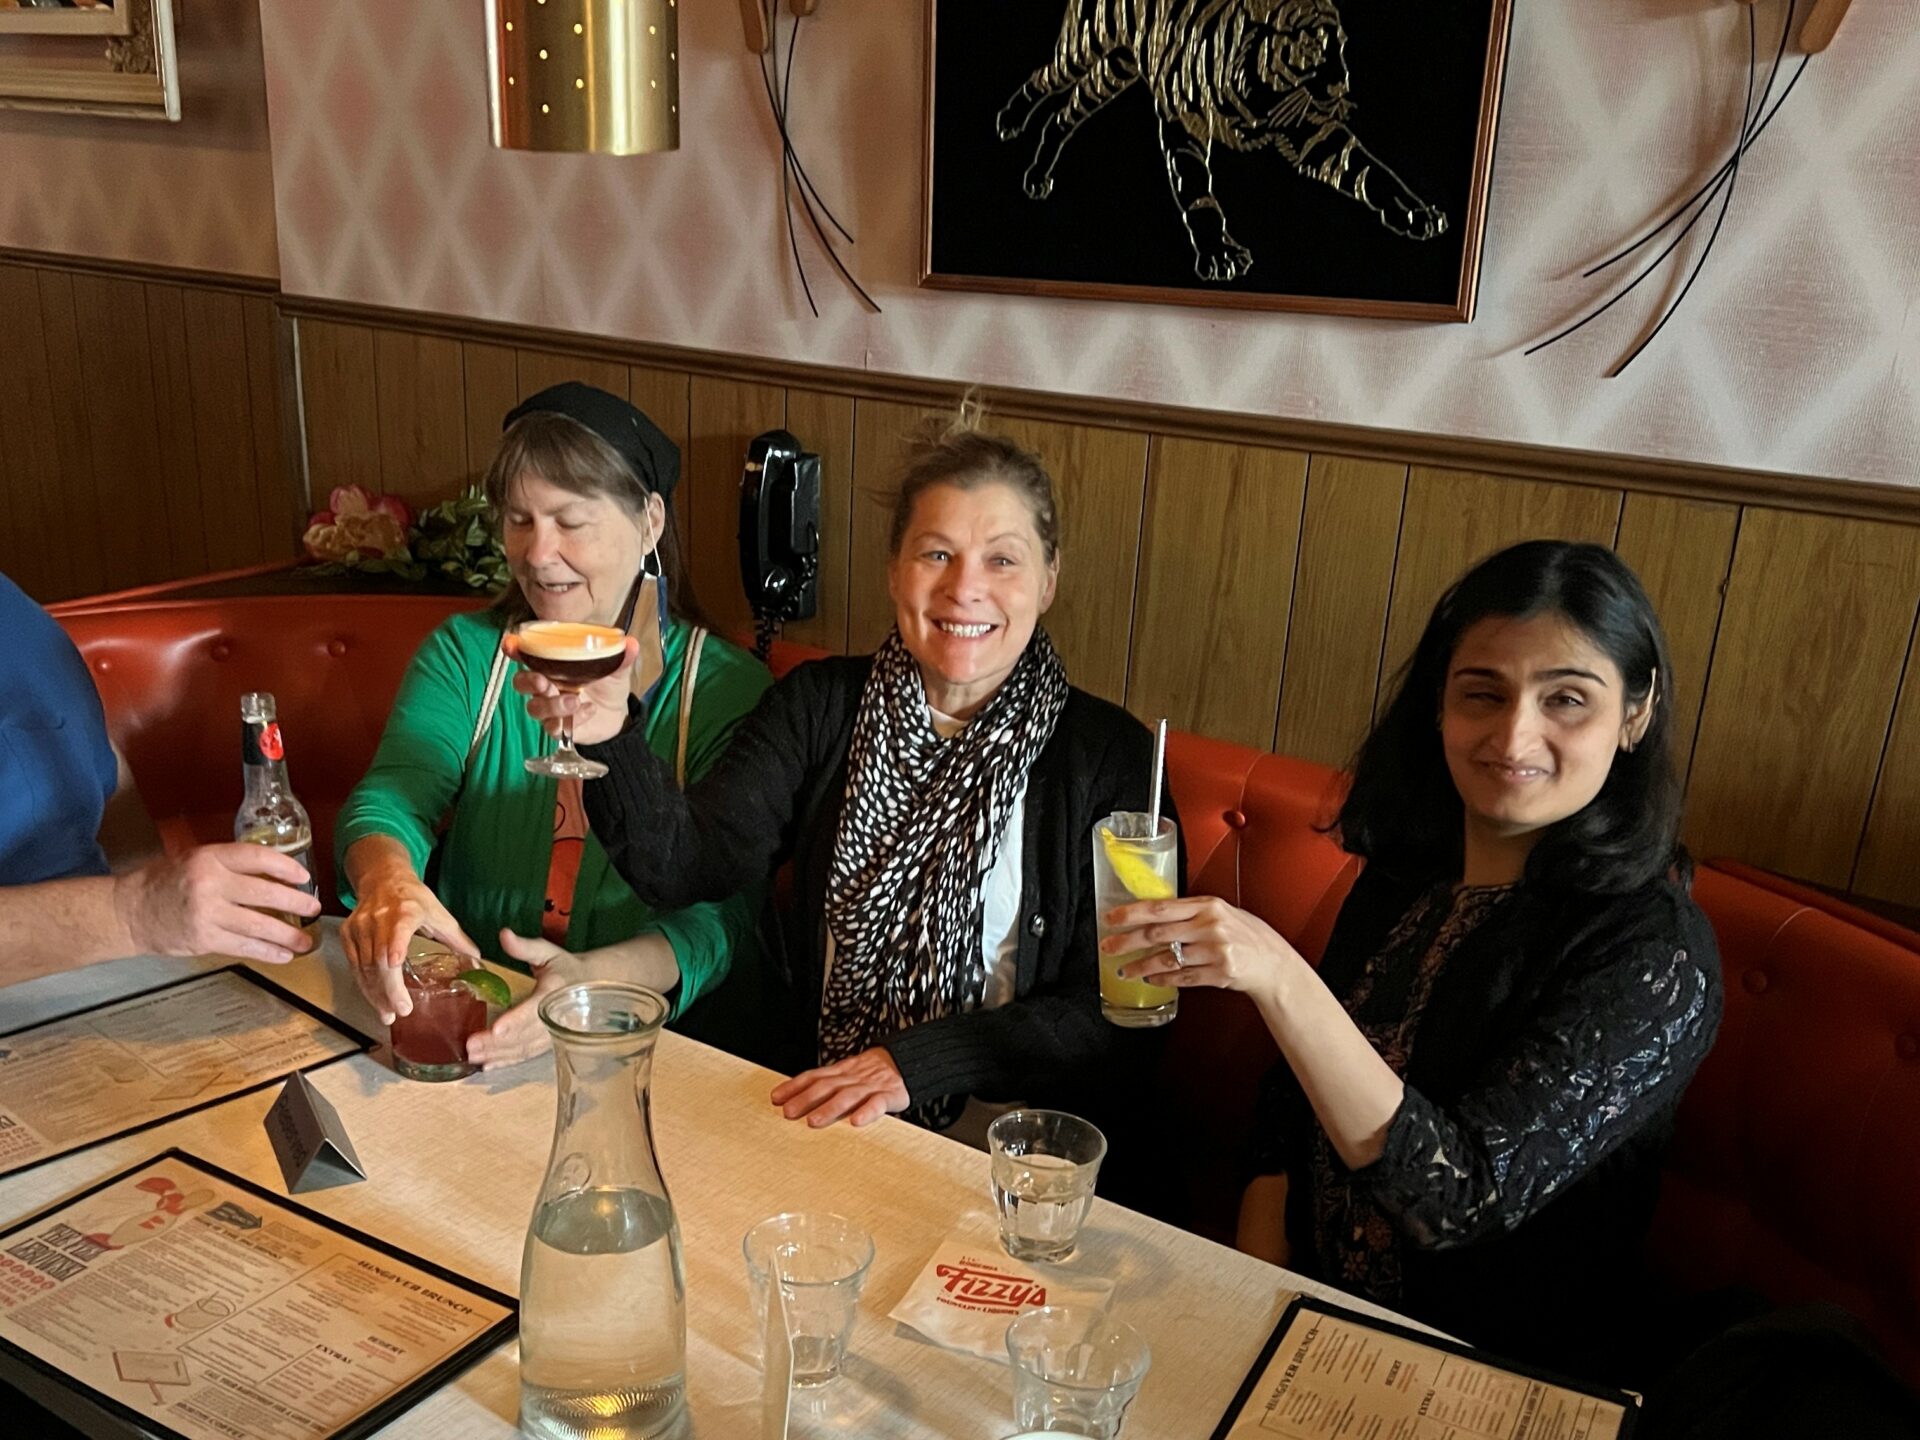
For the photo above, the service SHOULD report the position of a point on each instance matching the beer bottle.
(269, 815)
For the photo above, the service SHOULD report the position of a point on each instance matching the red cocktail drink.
(431, 1043)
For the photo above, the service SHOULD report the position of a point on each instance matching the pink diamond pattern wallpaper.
(1798, 350)
(198, 195)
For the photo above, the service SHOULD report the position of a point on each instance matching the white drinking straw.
(1159, 774)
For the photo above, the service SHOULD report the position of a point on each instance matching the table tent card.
(309, 1140)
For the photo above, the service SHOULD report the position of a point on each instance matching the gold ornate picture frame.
(114, 58)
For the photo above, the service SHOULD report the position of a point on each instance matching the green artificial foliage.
(456, 539)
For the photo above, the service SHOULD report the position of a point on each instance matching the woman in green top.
(580, 489)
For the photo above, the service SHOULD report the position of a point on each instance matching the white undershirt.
(999, 896)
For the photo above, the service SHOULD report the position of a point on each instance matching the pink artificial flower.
(359, 522)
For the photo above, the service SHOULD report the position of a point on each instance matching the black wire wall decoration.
(794, 179)
(1753, 121)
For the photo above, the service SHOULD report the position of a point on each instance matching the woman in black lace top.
(1480, 1080)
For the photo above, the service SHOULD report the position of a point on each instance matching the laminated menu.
(1329, 1372)
(179, 1301)
(119, 1067)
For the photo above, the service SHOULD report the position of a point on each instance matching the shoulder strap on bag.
(689, 675)
(489, 702)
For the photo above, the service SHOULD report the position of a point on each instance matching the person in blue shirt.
(62, 903)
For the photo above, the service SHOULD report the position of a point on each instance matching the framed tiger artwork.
(1328, 156)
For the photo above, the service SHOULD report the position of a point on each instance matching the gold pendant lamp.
(585, 75)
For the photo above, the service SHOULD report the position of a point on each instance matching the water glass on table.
(1135, 858)
(821, 1261)
(1075, 1370)
(1043, 1164)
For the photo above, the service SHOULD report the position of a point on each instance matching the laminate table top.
(452, 1171)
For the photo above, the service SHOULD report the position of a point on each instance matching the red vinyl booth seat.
(171, 673)
(1796, 1167)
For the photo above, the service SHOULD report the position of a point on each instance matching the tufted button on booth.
(1236, 819)
(336, 648)
(103, 665)
(1755, 982)
(1907, 1047)
(222, 650)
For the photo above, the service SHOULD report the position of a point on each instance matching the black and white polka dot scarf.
(918, 836)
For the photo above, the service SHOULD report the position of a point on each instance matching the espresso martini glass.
(572, 656)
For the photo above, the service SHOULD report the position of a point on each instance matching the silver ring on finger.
(1178, 959)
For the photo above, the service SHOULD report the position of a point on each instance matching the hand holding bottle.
(217, 900)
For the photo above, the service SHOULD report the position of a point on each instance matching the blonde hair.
(957, 450)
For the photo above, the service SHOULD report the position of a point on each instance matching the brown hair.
(563, 452)
(957, 451)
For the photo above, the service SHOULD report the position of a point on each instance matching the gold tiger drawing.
(1246, 74)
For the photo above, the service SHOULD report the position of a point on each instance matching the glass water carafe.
(603, 1313)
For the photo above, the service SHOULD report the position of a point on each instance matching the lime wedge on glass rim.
(487, 985)
(1132, 870)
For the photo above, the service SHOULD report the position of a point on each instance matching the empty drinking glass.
(1043, 1167)
(822, 1261)
(1075, 1370)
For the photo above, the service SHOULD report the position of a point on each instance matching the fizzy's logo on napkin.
(975, 1285)
(968, 1290)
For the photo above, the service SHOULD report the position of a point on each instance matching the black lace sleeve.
(1609, 1050)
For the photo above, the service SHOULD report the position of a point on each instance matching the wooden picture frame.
(117, 58)
(1262, 198)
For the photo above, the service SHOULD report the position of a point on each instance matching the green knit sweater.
(492, 869)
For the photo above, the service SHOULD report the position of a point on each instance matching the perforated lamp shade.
(585, 75)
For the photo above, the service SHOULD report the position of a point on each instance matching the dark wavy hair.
(1401, 809)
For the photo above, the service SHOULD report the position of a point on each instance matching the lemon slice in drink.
(487, 985)
(1143, 882)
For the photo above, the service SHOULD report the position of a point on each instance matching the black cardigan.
(1523, 1165)
(777, 794)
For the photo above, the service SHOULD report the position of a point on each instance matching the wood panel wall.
(1257, 586)
(142, 430)
(1262, 593)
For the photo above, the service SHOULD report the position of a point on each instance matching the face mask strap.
(659, 574)
(632, 604)
(651, 568)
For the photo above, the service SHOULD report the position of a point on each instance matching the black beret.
(640, 442)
